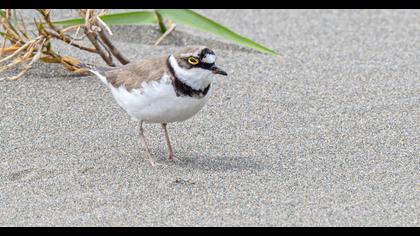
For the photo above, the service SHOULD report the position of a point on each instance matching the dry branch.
(21, 49)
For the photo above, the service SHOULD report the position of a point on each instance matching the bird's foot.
(155, 163)
(172, 157)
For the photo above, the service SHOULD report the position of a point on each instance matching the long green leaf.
(182, 16)
(195, 20)
(127, 18)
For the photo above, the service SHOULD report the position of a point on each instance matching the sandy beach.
(327, 134)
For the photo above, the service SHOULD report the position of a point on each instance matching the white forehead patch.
(209, 58)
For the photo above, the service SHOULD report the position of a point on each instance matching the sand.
(325, 135)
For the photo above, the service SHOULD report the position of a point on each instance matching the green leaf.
(70, 22)
(195, 20)
(127, 18)
(2, 13)
(182, 16)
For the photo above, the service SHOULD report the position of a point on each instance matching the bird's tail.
(93, 69)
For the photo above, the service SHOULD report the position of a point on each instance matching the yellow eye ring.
(193, 60)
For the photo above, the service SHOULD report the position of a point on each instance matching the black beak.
(217, 70)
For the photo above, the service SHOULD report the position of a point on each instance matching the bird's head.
(194, 65)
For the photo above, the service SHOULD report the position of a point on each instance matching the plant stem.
(160, 21)
(117, 54)
(171, 28)
(69, 41)
(92, 38)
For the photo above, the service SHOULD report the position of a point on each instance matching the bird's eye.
(193, 60)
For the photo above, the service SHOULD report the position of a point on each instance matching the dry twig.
(172, 28)
(25, 50)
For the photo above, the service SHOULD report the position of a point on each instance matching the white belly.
(156, 102)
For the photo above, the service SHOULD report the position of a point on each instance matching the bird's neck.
(181, 87)
(196, 78)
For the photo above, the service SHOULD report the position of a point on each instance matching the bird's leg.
(143, 141)
(168, 141)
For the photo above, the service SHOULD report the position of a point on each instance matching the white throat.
(196, 78)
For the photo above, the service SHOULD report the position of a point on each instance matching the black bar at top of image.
(209, 4)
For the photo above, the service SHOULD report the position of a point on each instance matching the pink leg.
(143, 141)
(168, 141)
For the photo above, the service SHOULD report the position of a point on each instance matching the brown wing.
(135, 73)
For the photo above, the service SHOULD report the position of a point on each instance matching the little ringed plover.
(164, 89)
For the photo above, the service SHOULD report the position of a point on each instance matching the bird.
(163, 89)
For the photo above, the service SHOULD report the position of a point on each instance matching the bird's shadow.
(218, 163)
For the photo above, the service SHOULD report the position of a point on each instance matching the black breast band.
(183, 89)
